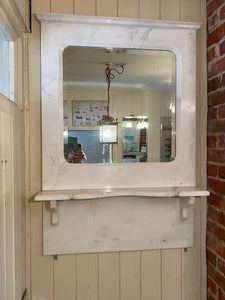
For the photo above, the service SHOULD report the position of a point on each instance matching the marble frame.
(60, 31)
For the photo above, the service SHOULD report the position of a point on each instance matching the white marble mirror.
(61, 31)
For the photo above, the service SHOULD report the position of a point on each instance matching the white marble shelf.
(119, 192)
(187, 196)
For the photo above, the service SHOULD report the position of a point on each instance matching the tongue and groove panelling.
(139, 275)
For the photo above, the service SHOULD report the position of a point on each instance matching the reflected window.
(142, 101)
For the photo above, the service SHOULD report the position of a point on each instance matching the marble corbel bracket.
(185, 204)
(54, 212)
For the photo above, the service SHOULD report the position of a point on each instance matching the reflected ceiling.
(145, 70)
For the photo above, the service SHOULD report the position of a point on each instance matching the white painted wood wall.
(140, 275)
(12, 201)
(12, 157)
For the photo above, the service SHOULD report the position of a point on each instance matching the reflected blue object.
(89, 140)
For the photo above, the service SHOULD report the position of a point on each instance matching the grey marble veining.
(58, 32)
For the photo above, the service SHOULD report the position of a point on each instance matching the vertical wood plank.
(9, 201)
(130, 275)
(128, 9)
(2, 212)
(58, 8)
(171, 274)
(86, 7)
(109, 276)
(41, 266)
(107, 8)
(41, 6)
(191, 270)
(35, 109)
(151, 275)
(65, 277)
(201, 156)
(41, 274)
(170, 10)
(87, 277)
(17, 206)
(26, 170)
(149, 9)
(190, 10)
(22, 217)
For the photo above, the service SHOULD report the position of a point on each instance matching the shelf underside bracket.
(54, 212)
(185, 204)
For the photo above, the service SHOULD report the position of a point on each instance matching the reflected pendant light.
(108, 126)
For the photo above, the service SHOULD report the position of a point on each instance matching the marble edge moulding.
(55, 175)
(49, 17)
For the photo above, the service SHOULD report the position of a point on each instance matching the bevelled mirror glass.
(141, 98)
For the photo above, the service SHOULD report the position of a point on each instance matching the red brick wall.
(216, 150)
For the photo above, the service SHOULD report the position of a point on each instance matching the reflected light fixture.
(128, 125)
(108, 126)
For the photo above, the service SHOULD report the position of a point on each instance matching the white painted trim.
(12, 72)
(11, 22)
(10, 107)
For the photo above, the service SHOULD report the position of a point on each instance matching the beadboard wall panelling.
(41, 6)
(12, 201)
(87, 7)
(171, 274)
(2, 212)
(150, 9)
(65, 268)
(201, 151)
(57, 8)
(171, 10)
(87, 276)
(9, 210)
(190, 11)
(151, 282)
(140, 275)
(17, 203)
(109, 276)
(130, 288)
(15, 21)
(41, 268)
(42, 274)
(107, 8)
(128, 8)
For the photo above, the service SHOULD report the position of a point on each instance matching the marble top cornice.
(49, 17)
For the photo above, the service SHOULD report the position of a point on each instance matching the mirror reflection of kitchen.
(119, 105)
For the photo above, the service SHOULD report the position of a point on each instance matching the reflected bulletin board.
(88, 112)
